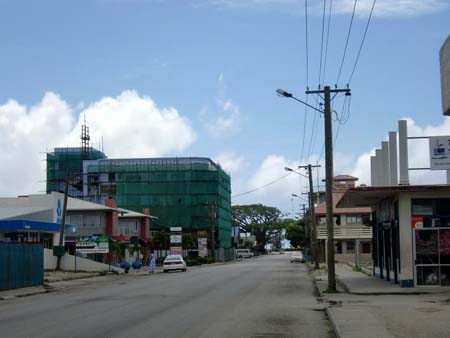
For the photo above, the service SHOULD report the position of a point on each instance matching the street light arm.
(292, 170)
(284, 93)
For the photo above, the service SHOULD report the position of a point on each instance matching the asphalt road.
(260, 297)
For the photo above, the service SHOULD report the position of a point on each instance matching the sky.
(198, 78)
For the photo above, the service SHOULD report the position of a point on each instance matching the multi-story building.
(192, 193)
(351, 225)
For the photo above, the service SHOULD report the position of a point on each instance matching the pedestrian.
(152, 263)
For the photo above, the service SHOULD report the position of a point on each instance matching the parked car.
(244, 253)
(174, 262)
(297, 257)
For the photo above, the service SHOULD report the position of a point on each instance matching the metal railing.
(342, 232)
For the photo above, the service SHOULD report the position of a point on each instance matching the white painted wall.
(68, 263)
(406, 239)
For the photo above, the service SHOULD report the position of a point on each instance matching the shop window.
(75, 220)
(443, 207)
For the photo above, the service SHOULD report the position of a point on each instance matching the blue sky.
(217, 63)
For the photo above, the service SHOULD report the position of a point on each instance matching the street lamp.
(284, 93)
(294, 171)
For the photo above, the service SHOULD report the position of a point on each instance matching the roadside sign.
(176, 250)
(175, 239)
(203, 247)
(439, 152)
(176, 229)
(92, 244)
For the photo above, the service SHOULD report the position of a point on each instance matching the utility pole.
(63, 222)
(315, 243)
(212, 208)
(329, 178)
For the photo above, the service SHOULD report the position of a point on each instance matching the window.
(92, 221)
(75, 220)
(354, 219)
(422, 207)
(350, 247)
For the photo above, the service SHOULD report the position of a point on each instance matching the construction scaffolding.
(175, 190)
(69, 161)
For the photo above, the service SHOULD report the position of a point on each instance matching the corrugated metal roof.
(77, 204)
(321, 209)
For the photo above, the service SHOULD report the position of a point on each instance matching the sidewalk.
(370, 307)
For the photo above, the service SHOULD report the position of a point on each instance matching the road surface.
(261, 297)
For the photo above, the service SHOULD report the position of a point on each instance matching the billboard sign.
(92, 244)
(439, 152)
(203, 247)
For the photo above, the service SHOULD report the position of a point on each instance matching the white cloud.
(230, 162)
(279, 193)
(132, 126)
(225, 119)
(389, 8)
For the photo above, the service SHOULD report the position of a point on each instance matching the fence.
(21, 265)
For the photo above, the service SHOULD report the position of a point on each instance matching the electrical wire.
(362, 41)
(326, 43)
(346, 42)
(306, 43)
(321, 44)
(261, 187)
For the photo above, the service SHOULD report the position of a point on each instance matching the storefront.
(411, 232)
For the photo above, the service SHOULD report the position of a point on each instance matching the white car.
(297, 257)
(174, 262)
(244, 253)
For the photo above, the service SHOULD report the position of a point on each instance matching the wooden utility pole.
(63, 222)
(312, 212)
(329, 179)
(212, 208)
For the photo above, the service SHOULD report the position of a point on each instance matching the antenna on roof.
(85, 138)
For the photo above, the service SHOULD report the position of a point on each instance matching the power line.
(306, 42)
(263, 186)
(326, 43)
(346, 42)
(321, 45)
(362, 41)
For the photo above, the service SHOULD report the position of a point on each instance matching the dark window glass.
(427, 247)
(422, 207)
(427, 275)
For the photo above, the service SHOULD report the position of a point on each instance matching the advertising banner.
(439, 152)
(175, 239)
(203, 247)
(176, 250)
(92, 244)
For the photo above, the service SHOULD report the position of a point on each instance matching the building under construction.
(192, 193)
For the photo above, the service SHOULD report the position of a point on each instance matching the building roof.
(123, 213)
(74, 204)
(321, 209)
(370, 196)
(345, 178)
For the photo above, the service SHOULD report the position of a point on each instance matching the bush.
(192, 262)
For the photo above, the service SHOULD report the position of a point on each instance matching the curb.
(333, 323)
(37, 292)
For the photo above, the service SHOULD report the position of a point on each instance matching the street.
(260, 297)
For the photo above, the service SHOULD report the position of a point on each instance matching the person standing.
(152, 263)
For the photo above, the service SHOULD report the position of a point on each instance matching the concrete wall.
(68, 263)
(406, 238)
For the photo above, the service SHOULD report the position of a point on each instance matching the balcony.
(362, 232)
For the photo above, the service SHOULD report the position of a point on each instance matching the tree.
(295, 233)
(161, 240)
(262, 221)
(187, 241)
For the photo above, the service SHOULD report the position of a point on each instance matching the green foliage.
(117, 249)
(162, 240)
(188, 241)
(262, 221)
(295, 233)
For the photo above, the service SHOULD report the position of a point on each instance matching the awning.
(370, 196)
